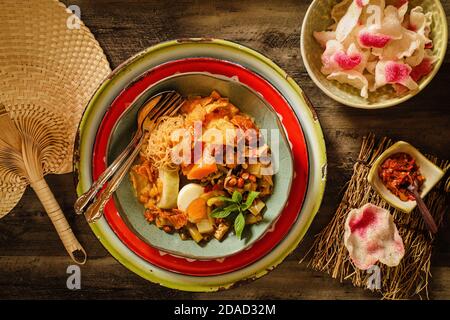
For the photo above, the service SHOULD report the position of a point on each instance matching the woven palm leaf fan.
(48, 72)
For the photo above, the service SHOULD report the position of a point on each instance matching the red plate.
(299, 183)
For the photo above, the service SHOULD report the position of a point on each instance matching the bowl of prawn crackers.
(373, 53)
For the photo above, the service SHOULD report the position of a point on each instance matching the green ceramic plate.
(318, 18)
(265, 117)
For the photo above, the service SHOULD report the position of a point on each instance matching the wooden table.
(32, 260)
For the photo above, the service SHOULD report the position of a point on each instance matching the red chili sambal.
(398, 172)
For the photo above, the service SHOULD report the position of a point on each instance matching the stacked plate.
(107, 126)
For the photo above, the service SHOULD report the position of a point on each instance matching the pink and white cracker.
(394, 72)
(353, 78)
(350, 20)
(336, 58)
(371, 236)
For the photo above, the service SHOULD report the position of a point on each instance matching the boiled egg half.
(187, 194)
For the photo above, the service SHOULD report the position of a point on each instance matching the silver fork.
(155, 102)
(165, 105)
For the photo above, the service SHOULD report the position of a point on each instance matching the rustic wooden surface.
(32, 260)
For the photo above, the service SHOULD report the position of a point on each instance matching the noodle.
(156, 176)
(158, 149)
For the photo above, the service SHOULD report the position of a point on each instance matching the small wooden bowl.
(318, 18)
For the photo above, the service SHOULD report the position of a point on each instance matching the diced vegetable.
(201, 170)
(170, 184)
(221, 230)
(256, 207)
(197, 210)
(251, 219)
(250, 186)
(195, 234)
(139, 181)
(205, 226)
(183, 236)
(266, 185)
(255, 169)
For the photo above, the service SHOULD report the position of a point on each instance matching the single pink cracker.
(422, 69)
(371, 235)
(396, 72)
(347, 62)
(373, 40)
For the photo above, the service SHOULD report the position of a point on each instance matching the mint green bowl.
(318, 18)
(250, 102)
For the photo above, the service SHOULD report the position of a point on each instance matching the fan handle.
(58, 219)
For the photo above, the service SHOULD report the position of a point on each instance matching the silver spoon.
(158, 101)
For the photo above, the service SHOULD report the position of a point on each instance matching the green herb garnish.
(235, 205)
(239, 224)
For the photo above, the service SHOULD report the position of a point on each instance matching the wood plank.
(32, 260)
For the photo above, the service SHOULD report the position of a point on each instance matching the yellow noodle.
(158, 148)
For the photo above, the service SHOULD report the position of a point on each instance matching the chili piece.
(398, 172)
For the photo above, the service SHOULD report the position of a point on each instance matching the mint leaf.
(224, 212)
(219, 213)
(237, 197)
(250, 198)
(239, 224)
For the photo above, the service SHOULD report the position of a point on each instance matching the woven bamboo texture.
(411, 277)
(48, 72)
